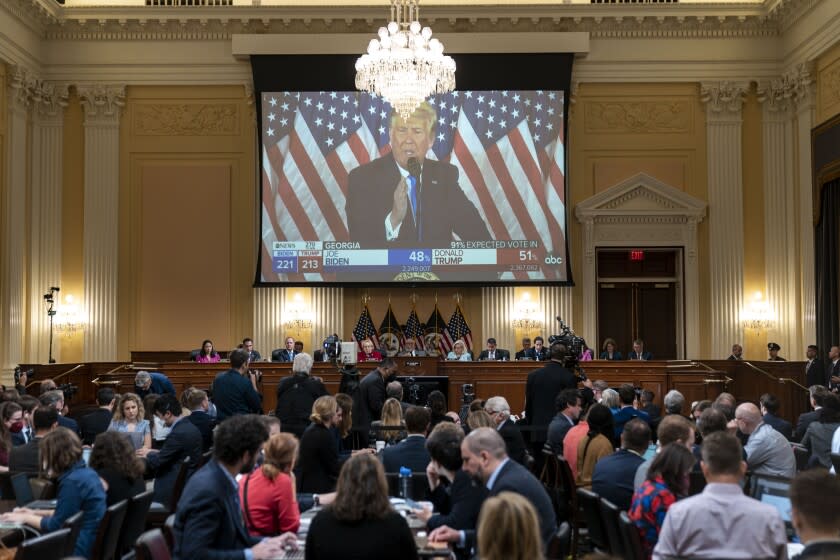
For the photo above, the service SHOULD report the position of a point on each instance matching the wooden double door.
(638, 301)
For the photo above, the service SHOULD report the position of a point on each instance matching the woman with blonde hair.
(391, 416)
(459, 352)
(129, 418)
(318, 461)
(268, 498)
(508, 529)
(480, 419)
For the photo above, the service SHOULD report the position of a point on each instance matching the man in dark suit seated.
(199, 417)
(770, 411)
(402, 198)
(29, 404)
(183, 442)
(235, 390)
(410, 452)
(248, 346)
(526, 345)
(96, 422)
(817, 394)
(538, 352)
(55, 399)
(613, 476)
(209, 522)
(484, 458)
(814, 495)
(568, 410)
(25, 458)
(410, 349)
(286, 354)
(627, 394)
(638, 352)
(499, 410)
(493, 353)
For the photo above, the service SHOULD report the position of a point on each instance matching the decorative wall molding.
(782, 94)
(723, 97)
(186, 119)
(638, 117)
(102, 101)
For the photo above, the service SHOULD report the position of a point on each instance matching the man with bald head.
(768, 451)
(485, 459)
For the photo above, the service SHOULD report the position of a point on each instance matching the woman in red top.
(268, 498)
(368, 354)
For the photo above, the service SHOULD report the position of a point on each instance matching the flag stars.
(372, 110)
(319, 121)
(515, 113)
(527, 102)
(538, 106)
(516, 98)
(479, 114)
(344, 115)
(270, 132)
(320, 106)
(468, 94)
(329, 142)
(333, 95)
(343, 130)
(481, 99)
(271, 117)
(345, 98)
(492, 103)
(284, 121)
(307, 101)
(273, 101)
(441, 136)
(489, 133)
(331, 110)
(381, 130)
(285, 106)
(330, 126)
(491, 118)
(356, 119)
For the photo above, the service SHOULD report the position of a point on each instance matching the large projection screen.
(470, 188)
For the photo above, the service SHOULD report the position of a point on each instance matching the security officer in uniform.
(773, 350)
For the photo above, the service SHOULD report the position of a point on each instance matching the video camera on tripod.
(574, 346)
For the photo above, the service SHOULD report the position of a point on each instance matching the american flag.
(413, 329)
(458, 329)
(365, 329)
(507, 145)
(390, 326)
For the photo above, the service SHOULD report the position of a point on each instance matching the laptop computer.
(775, 492)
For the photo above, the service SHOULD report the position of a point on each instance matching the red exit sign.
(637, 255)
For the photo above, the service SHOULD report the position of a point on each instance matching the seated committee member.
(410, 349)
(610, 350)
(522, 354)
(209, 522)
(403, 198)
(207, 354)
(459, 352)
(367, 353)
(638, 352)
(267, 494)
(538, 352)
(286, 354)
(248, 346)
(493, 353)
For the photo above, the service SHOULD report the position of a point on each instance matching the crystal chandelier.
(405, 65)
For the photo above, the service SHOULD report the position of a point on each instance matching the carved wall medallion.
(643, 116)
(186, 119)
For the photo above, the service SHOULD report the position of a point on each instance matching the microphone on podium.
(414, 171)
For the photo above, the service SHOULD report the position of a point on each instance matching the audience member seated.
(207, 354)
(610, 399)
(722, 522)
(672, 429)
(768, 451)
(285, 354)
(146, 383)
(814, 496)
(459, 352)
(597, 443)
(627, 396)
(770, 415)
(438, 409)
(613, 476)
(183, 442)
(507, 529)
(652, 409)
(121, 471)
(318, 459)
(609, 351)
(198, 405)
(638, 352)
(391, 416)
(712, 420)
(568, 404)
(267, 494)
(666, 482)
(697, 408)
(25, 458)
(97, 422)
(478, 419)
(598, 388)
(11, 421)
(572, 441)
(819, 434)
(499, 410)
(410, 452)
(457, 498)
(367, 353)
(159, 429)
(526, 345)
(674, 402)
(235, 390)
(55, 399)
(29, 404)
(360, 522)
(296, 394)
(129, 418)
(493, 353)
(538, 352)
(79, 489)
(484, 458)
(817, 395)
(209, 521)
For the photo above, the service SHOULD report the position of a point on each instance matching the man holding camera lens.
(235, 390)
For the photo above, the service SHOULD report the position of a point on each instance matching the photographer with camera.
(235, 390)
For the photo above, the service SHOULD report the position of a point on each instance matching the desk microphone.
(414, 171)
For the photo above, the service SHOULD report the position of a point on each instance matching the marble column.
(45, 224)
(726, 212)
(780, 203)
(102, 105)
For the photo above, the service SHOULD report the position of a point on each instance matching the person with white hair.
(674, 402)
(296, 394)
(499, 410)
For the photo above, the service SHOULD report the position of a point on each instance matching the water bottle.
(405, 483)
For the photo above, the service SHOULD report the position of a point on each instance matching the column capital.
(102, 102)
(22, 83)
(790, 91)
(50, 99)
(723, 98)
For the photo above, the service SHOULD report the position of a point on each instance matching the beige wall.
(828, 84)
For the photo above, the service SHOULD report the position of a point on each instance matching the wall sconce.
(298, 317)
(758, 315)
(69, 318)
(526, 314)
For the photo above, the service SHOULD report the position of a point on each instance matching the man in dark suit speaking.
(404, 199)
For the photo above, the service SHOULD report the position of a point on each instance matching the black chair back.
(51, 545)
(7, 491)
(135, 521)
(23, 490)
(180, 482)
(169, 531)
(630, 537)
(152, 546)
(108, 534)
(596, 532)
(559, 545)
(74, 523)
(609, 514)
(802, 456)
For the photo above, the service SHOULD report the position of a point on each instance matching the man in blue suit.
(614, 474)
(286, 354)
(485, 458)
(627, 394)
(235, 390)
(410, 452)
(152, 383)
(638, 352)
(208, 522)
